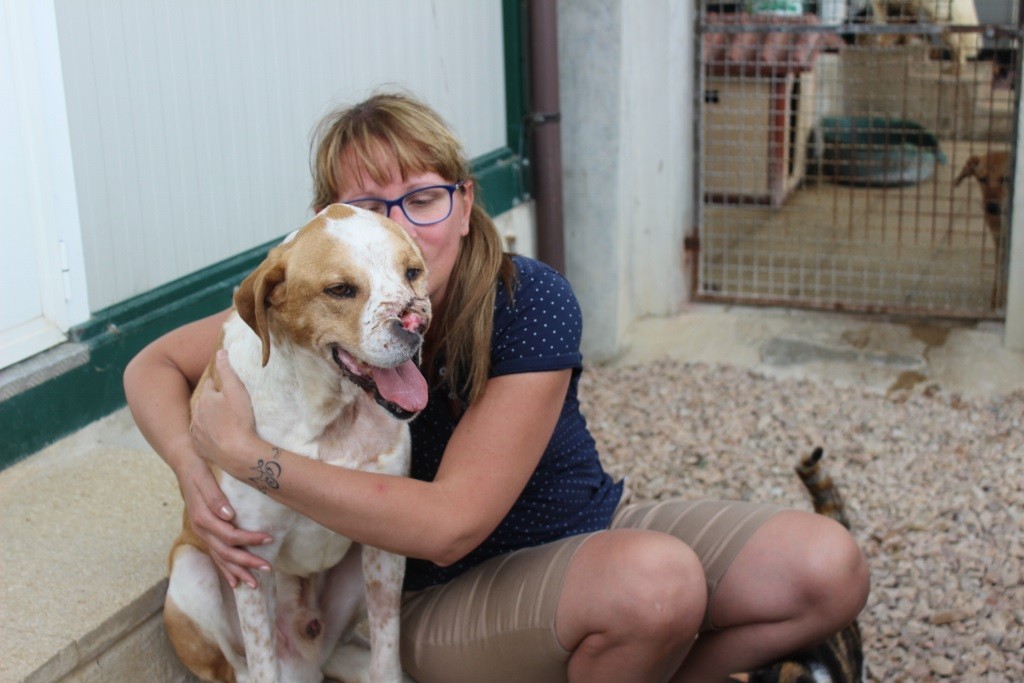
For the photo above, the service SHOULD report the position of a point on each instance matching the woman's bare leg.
(630, 607)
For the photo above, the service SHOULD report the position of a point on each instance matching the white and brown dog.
(324, 336)
(992, 171)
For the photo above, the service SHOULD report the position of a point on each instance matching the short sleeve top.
(537, 329)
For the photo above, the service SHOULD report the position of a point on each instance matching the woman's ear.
(468, 191)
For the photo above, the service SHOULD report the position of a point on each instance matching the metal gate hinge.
(539, 118)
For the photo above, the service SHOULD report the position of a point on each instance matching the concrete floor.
(918, 249)
(86, 523)
(883, 356)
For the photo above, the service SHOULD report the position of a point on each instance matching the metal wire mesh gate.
(856, 160)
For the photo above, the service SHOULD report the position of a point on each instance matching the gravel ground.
(933, 484)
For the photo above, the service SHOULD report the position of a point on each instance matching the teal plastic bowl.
(874, 151)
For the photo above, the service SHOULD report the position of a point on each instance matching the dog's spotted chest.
(362, 438)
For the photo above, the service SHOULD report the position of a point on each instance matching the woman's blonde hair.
(395, 127)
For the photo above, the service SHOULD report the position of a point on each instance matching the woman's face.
(439, 242)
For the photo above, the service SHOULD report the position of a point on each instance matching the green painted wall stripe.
(39, 416)
(175, 294)
(501, 181)
(516, 80)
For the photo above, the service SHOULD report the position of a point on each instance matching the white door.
(41, 274)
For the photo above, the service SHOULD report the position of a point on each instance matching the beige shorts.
(496, 622)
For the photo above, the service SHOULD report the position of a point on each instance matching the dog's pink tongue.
(403, 385)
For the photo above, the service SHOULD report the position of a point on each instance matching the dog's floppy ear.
(969, 169)
(252, 297)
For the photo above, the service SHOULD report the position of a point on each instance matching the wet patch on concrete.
(906, 381)
(858, 339)
(930, 336)
(782, 352)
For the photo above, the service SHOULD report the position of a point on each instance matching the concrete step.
(85, 526)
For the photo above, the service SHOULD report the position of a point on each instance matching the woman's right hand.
(212, 519)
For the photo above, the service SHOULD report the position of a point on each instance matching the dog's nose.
(413, 322)
(402, 333)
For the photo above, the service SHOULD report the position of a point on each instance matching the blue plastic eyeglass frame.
(389, 203)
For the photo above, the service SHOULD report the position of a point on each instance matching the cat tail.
(824, 494)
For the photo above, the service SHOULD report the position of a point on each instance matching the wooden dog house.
(759, 106)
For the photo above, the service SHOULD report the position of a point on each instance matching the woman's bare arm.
(489, 459)
(158, 384)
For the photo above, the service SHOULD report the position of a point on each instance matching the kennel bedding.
(933, 483)
(877, 152)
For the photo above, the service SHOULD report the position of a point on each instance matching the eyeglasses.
(422, 206)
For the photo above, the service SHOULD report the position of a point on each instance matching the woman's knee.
(667, 591)
(798, 565)
(645, 583)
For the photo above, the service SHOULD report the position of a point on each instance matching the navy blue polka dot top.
(569, 493)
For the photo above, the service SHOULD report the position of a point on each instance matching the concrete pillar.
(1013, 335)
(627, 93)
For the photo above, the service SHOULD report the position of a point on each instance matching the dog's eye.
(342, 291)
(412, 273)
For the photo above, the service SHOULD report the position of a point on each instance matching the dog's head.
(351, 288)
(991, 170)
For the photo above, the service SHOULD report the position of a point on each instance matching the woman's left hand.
(223, 424)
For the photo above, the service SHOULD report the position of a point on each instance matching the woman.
(523, 566)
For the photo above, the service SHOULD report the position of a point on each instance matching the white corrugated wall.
(190, 119)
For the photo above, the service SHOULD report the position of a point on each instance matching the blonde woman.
(523, 565)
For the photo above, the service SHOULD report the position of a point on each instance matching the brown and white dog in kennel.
(992, 171)
(324, 336)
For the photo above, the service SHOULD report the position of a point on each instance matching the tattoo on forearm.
(267, 472)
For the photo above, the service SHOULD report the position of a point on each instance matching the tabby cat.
(840, 659)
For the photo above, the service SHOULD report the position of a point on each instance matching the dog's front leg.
(259, 634)
(383, 573)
